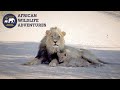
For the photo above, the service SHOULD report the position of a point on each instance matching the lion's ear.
(47, 32)
(64, 33)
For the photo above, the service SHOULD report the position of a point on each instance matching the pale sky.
(81, 27)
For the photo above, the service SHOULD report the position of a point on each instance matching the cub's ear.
(47, 32)
(64, 33)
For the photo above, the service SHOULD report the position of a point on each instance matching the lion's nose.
(55, 41)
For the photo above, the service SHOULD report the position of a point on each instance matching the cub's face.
(62, 56)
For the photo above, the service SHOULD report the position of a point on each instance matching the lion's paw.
(35, 61)
(98, 65)
(53, 63)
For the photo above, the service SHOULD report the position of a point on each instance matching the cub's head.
(55, 40)
(63, 56)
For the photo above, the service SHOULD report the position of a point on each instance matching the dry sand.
(12, 55)
(96, 31)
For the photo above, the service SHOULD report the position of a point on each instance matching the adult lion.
(52, 42)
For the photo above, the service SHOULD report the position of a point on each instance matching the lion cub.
(70, 61)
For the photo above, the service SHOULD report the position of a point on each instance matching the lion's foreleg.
(53, 63)
(64, 64)
(35, 61)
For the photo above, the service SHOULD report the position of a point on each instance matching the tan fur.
(53, 63)
(54, 34)
(33, 62)
(69, 60)
(85, 54)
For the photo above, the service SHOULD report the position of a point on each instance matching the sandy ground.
(14, 54)
(96, 31)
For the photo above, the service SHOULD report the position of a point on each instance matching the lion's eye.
(51, 36)
(65, 54)
(58, 36)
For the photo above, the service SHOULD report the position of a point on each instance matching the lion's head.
(55, 40)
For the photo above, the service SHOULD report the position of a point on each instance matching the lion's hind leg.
(90, 57)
